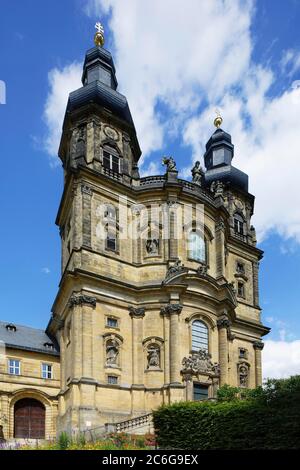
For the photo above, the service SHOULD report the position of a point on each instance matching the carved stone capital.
(258, 345)
(137, 312)
(220, 225)
(81, 300)
(223, 323)
(85, 189)
(170, 309)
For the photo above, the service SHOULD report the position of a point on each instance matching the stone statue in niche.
(112, 353)
(152, 246)
(153, 357)
(197, 173)
(243, 375)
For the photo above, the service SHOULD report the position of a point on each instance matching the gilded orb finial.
(99, 35)
(218, 120)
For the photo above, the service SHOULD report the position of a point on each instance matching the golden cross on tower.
(99, 35)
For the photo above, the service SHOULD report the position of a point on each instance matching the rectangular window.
(111, 243)
(106, 160)
(243, 353)
(111, 162)
(112, 379)
(14, 367)
(241, 289)
(112, 322)
(46, 371)
(200, 392)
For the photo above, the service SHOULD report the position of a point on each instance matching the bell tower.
(99, 151)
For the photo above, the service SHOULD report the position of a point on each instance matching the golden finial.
(99, 35)
(218, 120)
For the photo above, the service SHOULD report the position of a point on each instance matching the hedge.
(267, 419)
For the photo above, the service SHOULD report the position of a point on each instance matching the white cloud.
(194, 58)
(46, 270)
(290, 62)
(281, 359)
(61, 82)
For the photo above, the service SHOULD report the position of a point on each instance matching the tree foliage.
(264, 418)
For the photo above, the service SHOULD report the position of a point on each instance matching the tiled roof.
(27, 338)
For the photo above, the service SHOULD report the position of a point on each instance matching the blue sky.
(172, 105)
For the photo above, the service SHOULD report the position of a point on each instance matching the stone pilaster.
(86, 215)
(173, 310)
(220, 249)
(223, 325)
(173, 243)
(255, 268)
(81, 335)
(137, 315)
(90, 142)
(258, 347)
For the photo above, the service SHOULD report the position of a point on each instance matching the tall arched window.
(238, 224)
(199, 335)
(197, 247)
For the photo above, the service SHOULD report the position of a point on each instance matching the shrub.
(267, 418)
(63, 441)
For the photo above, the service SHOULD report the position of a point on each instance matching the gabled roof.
(27, 338)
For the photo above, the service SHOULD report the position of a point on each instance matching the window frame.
(191, 252)
(47, 372)
(203, 386)
(238, 224)
(110, 317)
(109, 155)
(14, 366)
(111, 376)
(242, 295)
(206, 348)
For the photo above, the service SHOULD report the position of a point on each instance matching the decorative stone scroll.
(258, 345)
(199, 363)
(176, 268)
(202, 270)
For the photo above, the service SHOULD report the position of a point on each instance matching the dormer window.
(49, 346)
(11, 327)
(111, 160)
(238, 224)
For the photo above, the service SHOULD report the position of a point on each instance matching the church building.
(158, 300)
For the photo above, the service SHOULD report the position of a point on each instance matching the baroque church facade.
(138, 321)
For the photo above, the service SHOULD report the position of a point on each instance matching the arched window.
(197, 247)
(199, 335)
(238, 224)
